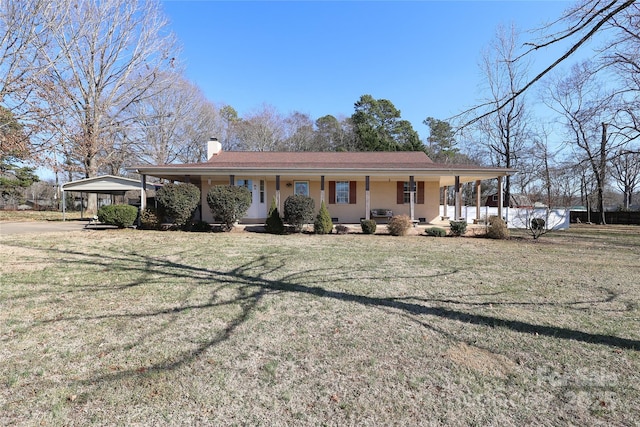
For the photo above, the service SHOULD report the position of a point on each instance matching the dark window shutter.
(352, 192)
(420, 196)
(332, 192)
(400, 193)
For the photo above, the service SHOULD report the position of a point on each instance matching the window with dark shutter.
(332, 192)
(400, 192)
(352, 192)
(420, 195)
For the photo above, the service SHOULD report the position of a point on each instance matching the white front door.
(258, 208)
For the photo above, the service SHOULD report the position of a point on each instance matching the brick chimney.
(213, 147)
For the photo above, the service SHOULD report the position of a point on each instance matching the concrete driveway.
(9, 228)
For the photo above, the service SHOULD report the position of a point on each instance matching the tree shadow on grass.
(254, 280)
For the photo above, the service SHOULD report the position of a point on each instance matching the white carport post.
(64, 206)
(143, 193)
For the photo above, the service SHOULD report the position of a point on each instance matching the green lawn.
(139, 327)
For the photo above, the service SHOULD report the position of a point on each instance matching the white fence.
(557, 219)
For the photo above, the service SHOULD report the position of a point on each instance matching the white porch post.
(445, 212)
(412, 197)
(458, 199)
(478, 183)
(367, 198)
(143, 192)
(500, 197)
(321, 189)
(278, 193)
(64, 206)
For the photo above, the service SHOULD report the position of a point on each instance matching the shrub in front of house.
(274, 224)
(399, 225)
(497, 228)
(150, 219)
(229, 203)
(458, 228)
(323, 223)
(122, 216)
(179, 201)
(435, 232)
(368, 226)
(298, 211)
(342, 229)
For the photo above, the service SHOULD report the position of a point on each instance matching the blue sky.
(320, 57)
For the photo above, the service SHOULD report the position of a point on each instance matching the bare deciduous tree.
(625, 170)
(506, 132)
(262, 130)
(103, 58)
(585, 107)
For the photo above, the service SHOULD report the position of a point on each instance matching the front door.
(258, 208)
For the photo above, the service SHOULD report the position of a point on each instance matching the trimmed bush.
(274, 224)
(399, 225)
(497, 228)
(298, 211)
(323, 223)
(229, 203)
(368, 226)
(122, 216)
(200, 227)
(149, 219)
(342, 229)
(435, 232)
(179, 201)
(458, 228)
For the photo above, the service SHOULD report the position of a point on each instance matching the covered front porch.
(349, 198)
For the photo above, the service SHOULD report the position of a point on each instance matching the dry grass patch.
(130, 327)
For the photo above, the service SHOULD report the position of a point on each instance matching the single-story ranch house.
(354, 185)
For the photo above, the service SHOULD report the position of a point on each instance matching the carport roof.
(106, 184)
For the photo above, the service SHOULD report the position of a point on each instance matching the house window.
(342, 192)
(262, 191)
(301, 188)
(246, 183)
(406, 192)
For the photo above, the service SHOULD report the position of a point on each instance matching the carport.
(106, 184)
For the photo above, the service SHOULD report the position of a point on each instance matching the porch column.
(321, 189)
(143, 192)
(458, 199)
(478, 183)
(278, 193)
(367, 198)
(232, 180)
(412, 197)
(446, 201)
(500, 197)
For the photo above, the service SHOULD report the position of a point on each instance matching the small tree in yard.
(179, 201)
(229, 203)
(458, 228)
(298, 211)
(323, 224)
(274, 224)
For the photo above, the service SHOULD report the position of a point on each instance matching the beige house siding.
(382, 196)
